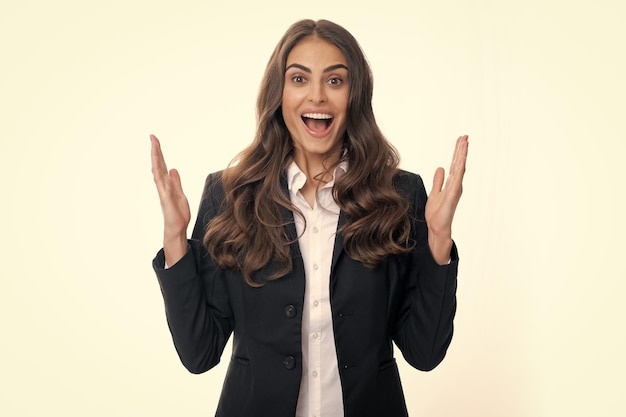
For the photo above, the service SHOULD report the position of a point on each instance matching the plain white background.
(538, 86)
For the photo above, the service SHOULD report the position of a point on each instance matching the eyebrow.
(306, 69)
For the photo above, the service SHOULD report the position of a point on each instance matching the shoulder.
(213, 192)
(211, 203)
(408, 183)
(214, 179)
(213, 186)
(403, 176)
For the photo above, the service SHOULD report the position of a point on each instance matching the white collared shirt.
(320, 389)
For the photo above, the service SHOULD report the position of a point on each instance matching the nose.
(317, 93)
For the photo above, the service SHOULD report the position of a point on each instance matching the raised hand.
(442, 203)
(174, 205)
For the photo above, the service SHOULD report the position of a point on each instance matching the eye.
(298, 79)
(335, 81)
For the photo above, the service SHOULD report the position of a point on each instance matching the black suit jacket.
(409, 300)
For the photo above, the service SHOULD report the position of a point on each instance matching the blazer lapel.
(338, 249)
(287, 215)
(291, 227)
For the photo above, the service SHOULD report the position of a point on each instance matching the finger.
(159, 168)
(157, 155)
(457, 167)
(454, 182)
(438, 180)
(175, 176)
(459, 157)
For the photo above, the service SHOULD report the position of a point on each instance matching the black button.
(289, 362)
(290, 311)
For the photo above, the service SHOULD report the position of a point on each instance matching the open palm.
(174, 204)
(442, 201)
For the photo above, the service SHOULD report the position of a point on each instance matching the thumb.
(438, 180)
(175, 176)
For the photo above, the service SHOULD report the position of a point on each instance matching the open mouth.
(318, 123)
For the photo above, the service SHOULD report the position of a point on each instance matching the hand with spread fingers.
(442, 203)
(174, 204)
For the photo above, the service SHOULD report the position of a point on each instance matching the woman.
(313, 249)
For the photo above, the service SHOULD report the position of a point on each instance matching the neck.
(317, 167)
(318, 171)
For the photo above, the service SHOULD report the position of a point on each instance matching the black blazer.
(410, 300)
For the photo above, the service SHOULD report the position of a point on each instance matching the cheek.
(288, 102)
(289, 114)
(341, 100)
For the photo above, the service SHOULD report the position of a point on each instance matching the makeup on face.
(315, 99)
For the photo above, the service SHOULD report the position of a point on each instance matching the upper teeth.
(317, 116)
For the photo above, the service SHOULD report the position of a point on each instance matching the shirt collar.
(296, 178)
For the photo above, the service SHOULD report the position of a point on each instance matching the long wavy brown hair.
(250, 234)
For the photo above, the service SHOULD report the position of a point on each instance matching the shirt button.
(289, 362)
(315, 230)
(290, 311)
(315, 336)
(316, 303)
(316, 267)
(314, 374)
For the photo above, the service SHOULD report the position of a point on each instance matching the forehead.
(312, 51)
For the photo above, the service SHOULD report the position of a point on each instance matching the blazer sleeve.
(424, 325)
(196, 299)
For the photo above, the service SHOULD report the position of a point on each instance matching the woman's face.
(315, 99)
